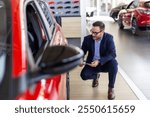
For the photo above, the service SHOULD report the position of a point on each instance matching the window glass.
(2, 22)
(46, 12)
(48, 15)
(136, 3)
(132, 7)
(147, 4)
(3, 45)
(36, 32)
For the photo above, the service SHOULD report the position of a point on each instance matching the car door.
(41, 31)
(128, 15)
(57, 38)
(31, 68)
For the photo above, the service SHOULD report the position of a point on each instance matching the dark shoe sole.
(111, 98)
(95, 85)
(111, 94)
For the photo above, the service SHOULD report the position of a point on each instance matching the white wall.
(83, 18)
(88, 3)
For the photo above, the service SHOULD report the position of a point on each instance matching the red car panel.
(19, 64)
(20, 56)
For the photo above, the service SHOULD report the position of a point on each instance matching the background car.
(90, 11)
(114, 11)
(136, 16)
(34, 55)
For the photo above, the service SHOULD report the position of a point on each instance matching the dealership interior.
(132, 54)
(42, 48)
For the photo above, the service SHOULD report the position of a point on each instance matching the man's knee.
(113, 65)
(83, 76)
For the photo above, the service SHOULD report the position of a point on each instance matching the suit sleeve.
(84, 46)
(110, 52)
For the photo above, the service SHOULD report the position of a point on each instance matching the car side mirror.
(60, 59)
(56, 60)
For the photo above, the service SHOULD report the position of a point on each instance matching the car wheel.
(134, 27)
(115, 19)
(120, 24)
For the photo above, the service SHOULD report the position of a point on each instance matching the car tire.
(115, 19)
(114, 16)
(134, 27)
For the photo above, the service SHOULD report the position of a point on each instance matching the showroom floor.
(82, 90)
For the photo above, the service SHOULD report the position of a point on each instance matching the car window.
(36, 31)
(48, 15)
(45, 11)
(3, 45)
(2, 25)
(124, 6)
(135, 4)
(147, 4)
(132, 5)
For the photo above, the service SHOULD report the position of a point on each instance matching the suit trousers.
(89, 73)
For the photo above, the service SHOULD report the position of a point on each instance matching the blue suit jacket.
(107, 48)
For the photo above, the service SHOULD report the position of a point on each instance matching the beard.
(95, 38)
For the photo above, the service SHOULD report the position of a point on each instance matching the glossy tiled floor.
(82, 90)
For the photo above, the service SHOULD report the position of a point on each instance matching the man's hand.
(94, 63)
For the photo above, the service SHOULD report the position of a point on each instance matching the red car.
(34, 55)
(136, 16)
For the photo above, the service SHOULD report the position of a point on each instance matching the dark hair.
(100, 24)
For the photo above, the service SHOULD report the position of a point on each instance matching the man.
(101, 57)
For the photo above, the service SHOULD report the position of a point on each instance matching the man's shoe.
(95, 82)
(111, 94)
